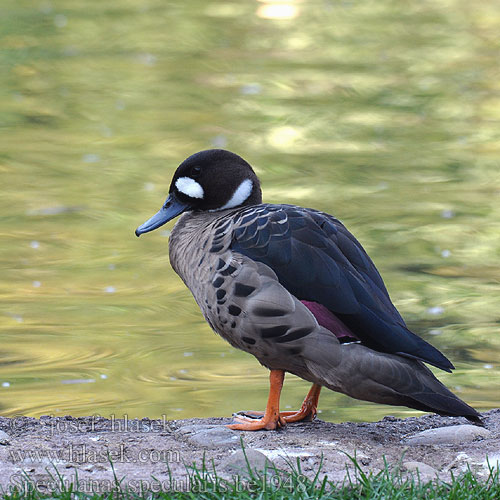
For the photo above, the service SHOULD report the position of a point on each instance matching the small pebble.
(492, 461)
(210, 437)
(239, 461)
(455, 434)
(4, 438)
(35, 244)
(424, 470)
(37, 284)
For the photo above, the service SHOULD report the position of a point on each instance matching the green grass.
(204, 483)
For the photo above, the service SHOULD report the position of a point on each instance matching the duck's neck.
(189, 241)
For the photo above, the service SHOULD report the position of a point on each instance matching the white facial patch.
(240, 195)
(189, 187)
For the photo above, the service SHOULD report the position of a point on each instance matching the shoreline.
(147, 450)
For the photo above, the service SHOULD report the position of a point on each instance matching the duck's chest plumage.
(199, 254)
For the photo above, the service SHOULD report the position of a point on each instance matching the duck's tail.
(383, 378)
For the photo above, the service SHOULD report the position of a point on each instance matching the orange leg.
(307, 412)
(271, 419)
(309, 407)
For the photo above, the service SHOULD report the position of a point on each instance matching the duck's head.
(210, 180)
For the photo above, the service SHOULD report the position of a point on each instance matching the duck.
(294, 288)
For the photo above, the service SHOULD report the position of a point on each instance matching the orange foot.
(264, 422)
(289, 417)
(271, 418)
(307, 412)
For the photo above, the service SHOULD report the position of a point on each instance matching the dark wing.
(316, 259)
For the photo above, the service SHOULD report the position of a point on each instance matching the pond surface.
(386, 114)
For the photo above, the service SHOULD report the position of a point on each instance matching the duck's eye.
(195, 172)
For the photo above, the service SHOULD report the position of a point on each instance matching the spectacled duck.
(293, 287)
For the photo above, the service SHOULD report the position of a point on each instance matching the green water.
(384, 113)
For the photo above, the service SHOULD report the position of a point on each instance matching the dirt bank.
(156, 452)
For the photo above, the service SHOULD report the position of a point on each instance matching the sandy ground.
(157, 454)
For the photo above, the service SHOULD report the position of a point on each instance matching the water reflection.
(385, 114)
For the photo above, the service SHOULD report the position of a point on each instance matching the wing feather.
(317, 259)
